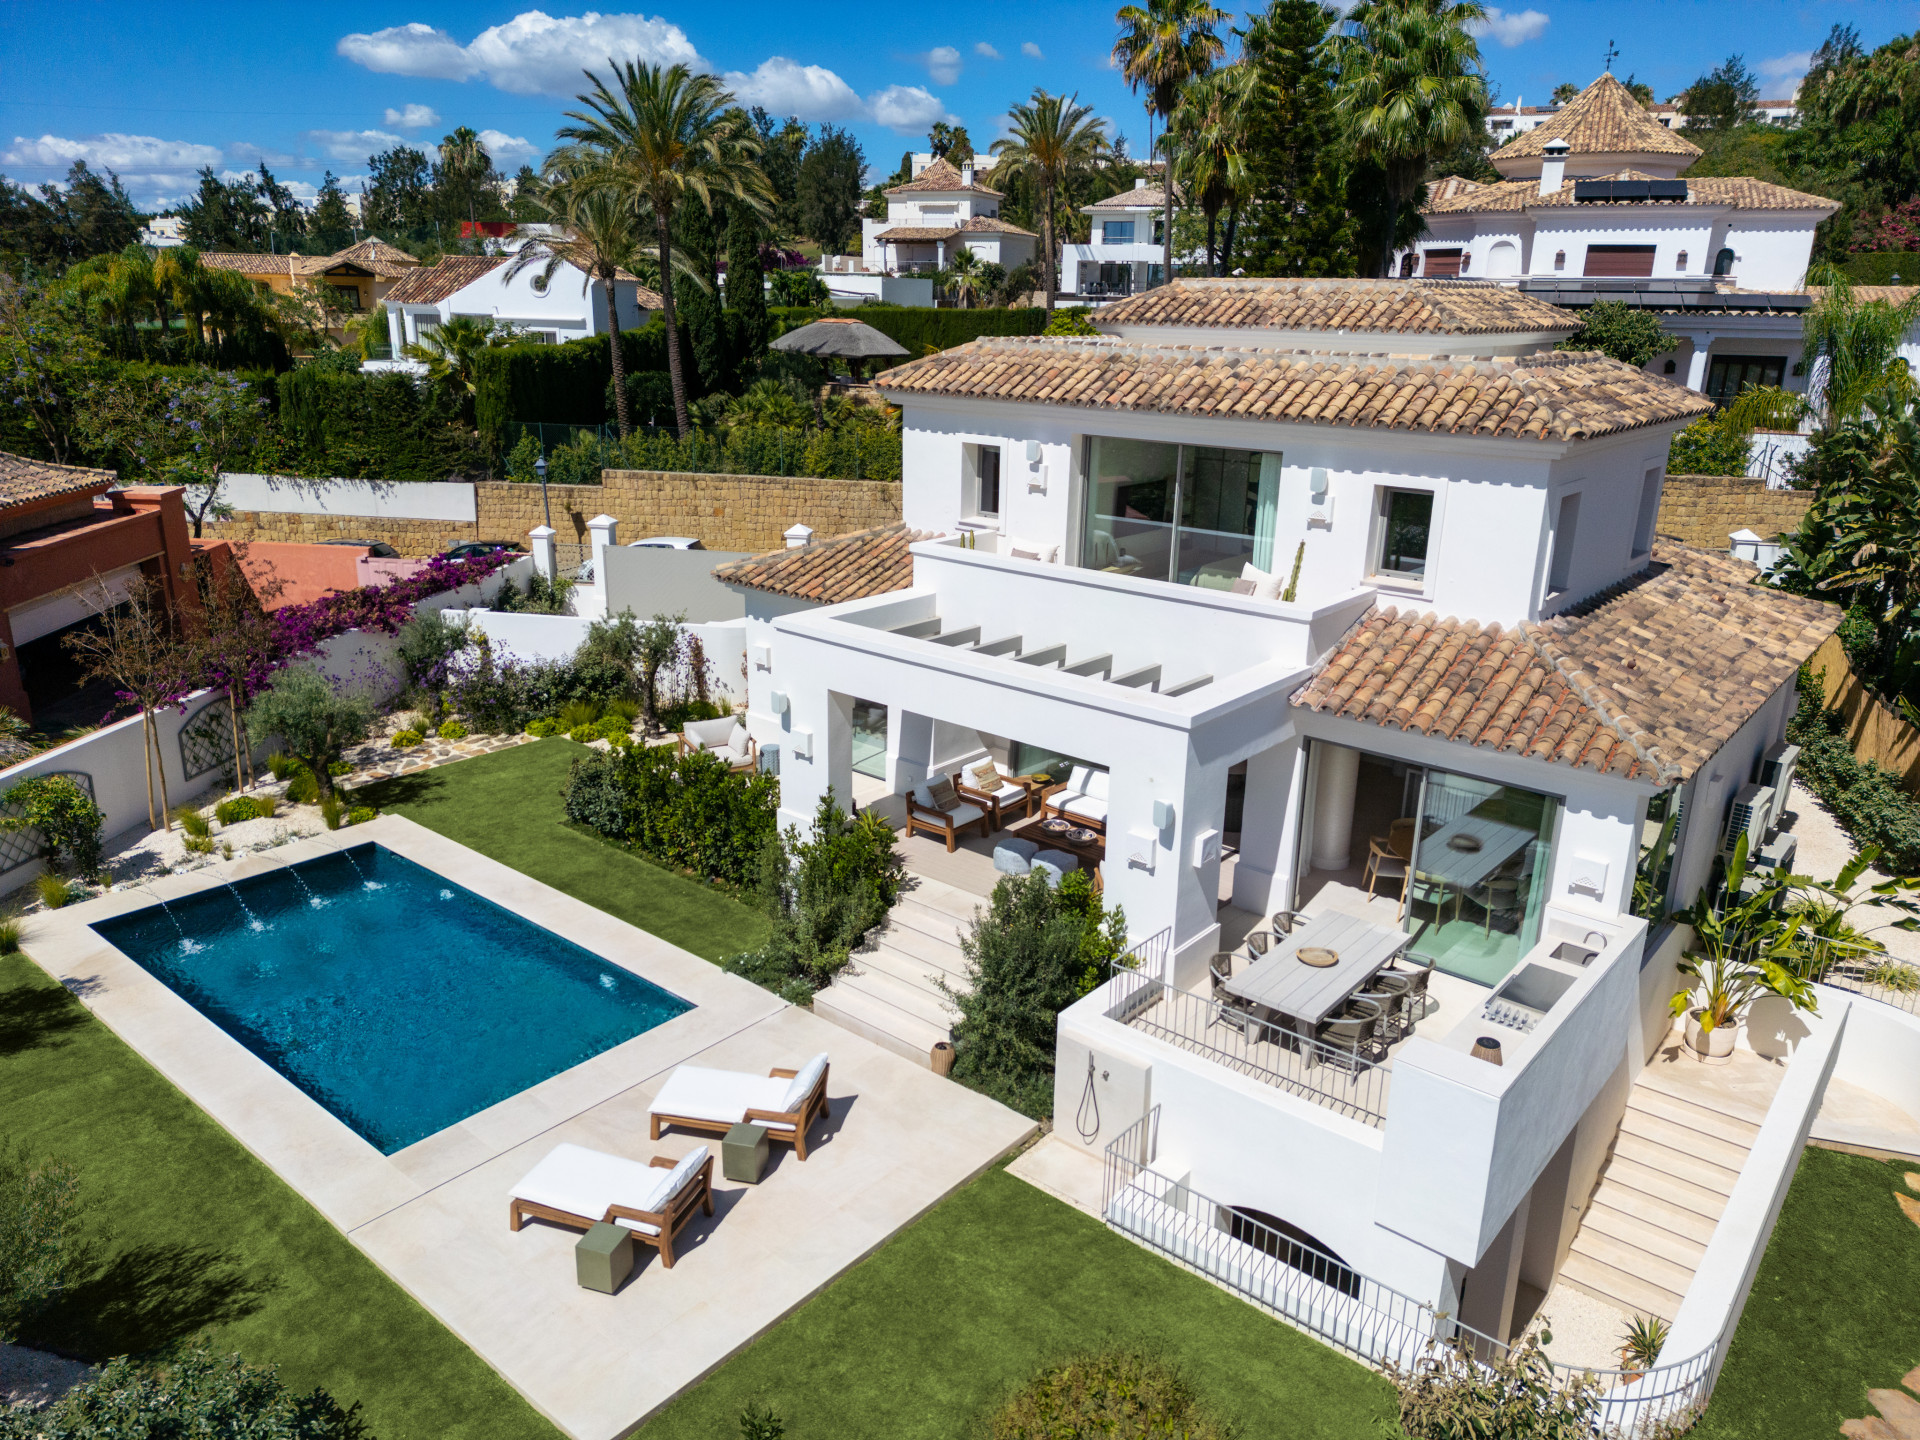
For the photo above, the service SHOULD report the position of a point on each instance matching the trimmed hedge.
(1865, 798)
(382, 426)
(1879, 267)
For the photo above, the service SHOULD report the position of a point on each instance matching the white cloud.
(1511, 27)
(507, 150)
(786, 87)
(906, 109)
(533, 53)
(114, 151)
(985, 51)
(1031, 50)
(414, 117)
(1787, 67)
(353, 144)
(943, 64)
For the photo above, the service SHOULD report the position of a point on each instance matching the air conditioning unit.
(1748, 817)
(1776, 770)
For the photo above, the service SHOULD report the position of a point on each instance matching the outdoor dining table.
(1463, 853)
(1307, 994)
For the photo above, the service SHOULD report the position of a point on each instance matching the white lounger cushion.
(722, 1096)
(585, 1182)
(802, 1084)
(959, 814)
(1085, 807)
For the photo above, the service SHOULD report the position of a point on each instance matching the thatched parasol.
(840, 339)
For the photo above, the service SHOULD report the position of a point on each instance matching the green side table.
(743, 1154)
(604, 1258)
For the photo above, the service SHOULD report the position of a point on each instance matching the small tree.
(235, 639)
(1615, 328)
(1452, 1393)
(313, 720)
(428, 645)
(178, 430)
(64, 814)
(1742, 950)
(40, 1212)
(657, 646)
(198, 1393)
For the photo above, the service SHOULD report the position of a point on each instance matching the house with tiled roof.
(1329, 621)
(1594, 203)
(1124, 252)
(569, 304)
(357, 278)
(941, 210)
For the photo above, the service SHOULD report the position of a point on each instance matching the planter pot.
(1710, 1047)
(942, 1057)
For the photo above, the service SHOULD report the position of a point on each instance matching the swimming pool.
(400, 1001)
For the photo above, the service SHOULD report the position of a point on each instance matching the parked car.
(376, 549)
(666, 542)
(474, 549)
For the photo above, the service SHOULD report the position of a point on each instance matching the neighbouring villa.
(570, 305)
(942, 210)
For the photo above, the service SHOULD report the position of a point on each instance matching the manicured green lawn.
(1835, 1310)
(197, 1237)
(508, 806)
(923, 1340)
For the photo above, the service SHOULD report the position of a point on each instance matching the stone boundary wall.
(1704, 510)
(747, 513)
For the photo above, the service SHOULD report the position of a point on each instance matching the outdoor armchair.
(783, 1102)
(937, 808)
(1081, 799)
(580, 1188)
(726, 739)
(1001, 795)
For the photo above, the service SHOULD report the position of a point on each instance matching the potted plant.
(1742, 951)
(1640, 1349)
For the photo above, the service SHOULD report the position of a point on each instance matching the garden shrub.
(823, 894)
(54, 890)
(1865, 799)
(613, 727)
(583, 734)
(427, 647)
(196, 1393)
(360, 814)
(40, 1214)
(675, 717)
(1035, 951)
(541, 729)
(65, 815)
(281, 764)
(198, 844)
(1706, 447)
(1125, 1394)
(9, 934)
(192, 822)
(405, 739)
(541, 597)
(382, 426)
(1452, 1393)
(453, 730)
(688, 811)
(333, 810)
(313, 719)
(239, 808)
(578, 714)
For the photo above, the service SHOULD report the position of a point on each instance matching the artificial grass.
(508, 806)
(195, 1239)
(929, 1335)
(1835, 1309)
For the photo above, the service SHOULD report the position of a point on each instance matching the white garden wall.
(450, 500)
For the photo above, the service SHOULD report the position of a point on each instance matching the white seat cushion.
(585, 1182)
(1077, 779)
(727, 755)
(1096, 785)
(1086, 807)
(1008, 792)
(709, 734)
(720, 1096)
(803, 1083)
(964, 815)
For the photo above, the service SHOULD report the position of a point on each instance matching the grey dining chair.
(1259, 943)
(1348, 1033)
(1228, 1009)
(1408, 989)
(1383, 1001)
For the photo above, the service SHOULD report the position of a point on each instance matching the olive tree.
(313, 720)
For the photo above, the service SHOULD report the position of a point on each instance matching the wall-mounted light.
(1320, 503)
(763, 657)
(1317, 484)
(778, 700)
(1033, 452)
(1162, 814)
(802, 744)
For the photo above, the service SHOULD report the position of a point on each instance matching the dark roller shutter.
(1443, 264)
(1628, 261)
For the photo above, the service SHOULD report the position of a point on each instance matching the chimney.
(799, 537)
(1553, 168)
(966, 173)
(1140, 183)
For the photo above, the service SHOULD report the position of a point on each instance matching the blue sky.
(156, 91)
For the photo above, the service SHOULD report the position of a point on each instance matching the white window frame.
(1396, 580)
(970, 500)
(1562, 547)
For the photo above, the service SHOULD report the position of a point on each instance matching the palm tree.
(1853, 347)
(1205, 129)
(452, 350)
(1052, 138)
(462, 154)
(1164, 44)
(1410, 88)
(597, 233)
(660, 137)
(966, 276)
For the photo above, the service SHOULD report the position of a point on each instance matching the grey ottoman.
(1055, 864)
(1014, 857)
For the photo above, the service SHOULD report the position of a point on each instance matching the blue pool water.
(397, 999)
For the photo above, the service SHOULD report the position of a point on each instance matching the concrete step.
(874, 1020)
(1652, 1211)
(1686, 1140)
(1693, 1116)
(1616, 1287)
(938, 954)
(929, 920)
(923, 1003)
(884, 959)
(1655, 1183)
(941, 898)
(1663, 1158)
(1626, 1256)
(1630, 1228)
(1654, 1077)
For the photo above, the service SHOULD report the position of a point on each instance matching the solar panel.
(1627, 191)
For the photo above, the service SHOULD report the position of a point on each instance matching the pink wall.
(306, 572)
(374, 571)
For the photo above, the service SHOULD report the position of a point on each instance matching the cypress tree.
(700, 310)
(746, 283)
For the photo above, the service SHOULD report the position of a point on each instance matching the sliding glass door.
(1481, 862)
(1190, 514)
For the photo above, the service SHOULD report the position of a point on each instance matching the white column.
(543, 559)
(605, 530)
(1339, 773)
(1697, 363)
(837, 749)
(1265, 821)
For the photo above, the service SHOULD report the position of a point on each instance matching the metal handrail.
(1340, 1080)
(1860, 967)
(1323, 1295)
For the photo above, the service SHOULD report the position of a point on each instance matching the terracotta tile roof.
(1422, 307)
(23, 480)
(1646, 680)
(846, 567)
(387, 262)
(247, 264)
(926, 233)
(1458, 681)
(1451, 187)
(1687, 651)
(993, 225)
(1560, 395)
(1741, 191)
(1604, 118)
(940, 177)
(431, 283)
(1892, 294)
(1152, 195)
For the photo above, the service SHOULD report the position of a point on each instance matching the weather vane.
(1612, 55)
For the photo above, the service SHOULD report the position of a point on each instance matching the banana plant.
(1743, 950)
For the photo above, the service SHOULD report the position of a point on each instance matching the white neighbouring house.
(1506, 121)
(570, 306)
(1595, 204)
(1123, 253)
(1484, 638)
(944, 208)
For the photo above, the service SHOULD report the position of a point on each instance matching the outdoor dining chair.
(1408, 989)
(1346, 1035)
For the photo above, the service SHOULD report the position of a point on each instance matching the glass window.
(1565, 530)
(986, 478)
(1118, 232)
(870, 739)
(1131, 486)
(1728, 375)
(1482, 862)
(1195, 515)
(1406, 519)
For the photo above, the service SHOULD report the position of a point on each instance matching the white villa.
(941, 210)
(570, 306)
(1595, 205)
(1292, 577)
(1506, 121)
(1125, 251)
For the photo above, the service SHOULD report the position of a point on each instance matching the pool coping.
(345, 1176)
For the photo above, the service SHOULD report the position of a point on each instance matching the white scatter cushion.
(1254, 573)
(1096, 785)
(1244, 587)
(1077, 779)
(804, 1082)
(737, 739)
(672, 1181)
(1269, 588)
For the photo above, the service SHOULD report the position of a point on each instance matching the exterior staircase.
(887, 993)
(1660, 1194)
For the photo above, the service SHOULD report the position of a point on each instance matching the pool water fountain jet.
(253, 920)
(187, 947)
(312, 899)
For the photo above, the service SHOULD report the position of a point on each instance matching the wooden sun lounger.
(695, 1194)
(786, 1125)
